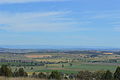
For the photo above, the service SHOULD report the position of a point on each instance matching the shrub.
(85, 75)
(107, 75)
(20, 73)
(42, 75)
(5, 71)
(117, 74)
(55, 75)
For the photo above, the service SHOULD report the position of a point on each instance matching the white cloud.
(27, 1)
(46, 21)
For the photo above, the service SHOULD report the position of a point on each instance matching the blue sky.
(60, 22)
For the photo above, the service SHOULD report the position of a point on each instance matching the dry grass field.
(37, 56)
(4, 78)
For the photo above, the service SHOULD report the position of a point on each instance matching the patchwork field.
(66, 63)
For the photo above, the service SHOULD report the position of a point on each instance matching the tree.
(62, 66)
(20, 73)
(117, 74)
(5, 71)
(16, 74)
(31, 68)
(71, 64)
(107, 75)
(34, 75)
(85, 75)
(55, 75)
(98, 75)
(42, 75)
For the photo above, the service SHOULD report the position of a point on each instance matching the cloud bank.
(45, 21)
(28, 1)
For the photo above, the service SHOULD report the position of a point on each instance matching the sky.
(60, 22)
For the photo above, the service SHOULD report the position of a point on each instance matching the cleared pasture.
(79, 62)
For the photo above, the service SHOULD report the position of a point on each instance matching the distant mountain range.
(37, 48)
(53, 47)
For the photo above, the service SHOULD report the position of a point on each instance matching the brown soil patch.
(108, 53)
(37, 56)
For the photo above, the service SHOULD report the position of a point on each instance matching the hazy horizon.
(55, 47)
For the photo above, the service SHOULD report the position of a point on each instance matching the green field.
(78, 63)
(70, 69)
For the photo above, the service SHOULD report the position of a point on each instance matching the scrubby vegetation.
(6, 72)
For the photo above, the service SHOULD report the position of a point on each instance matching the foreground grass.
(4, 78)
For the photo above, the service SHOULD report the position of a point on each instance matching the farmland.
(62, 62)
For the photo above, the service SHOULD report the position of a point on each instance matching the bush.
(42, 75)
(107, 75)
(117, 74)
(20, 73)
(5, 71)
(34, 75)
(85, 75)
(98, 75)
(55, 75)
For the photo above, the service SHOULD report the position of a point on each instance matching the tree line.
(81, 75)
